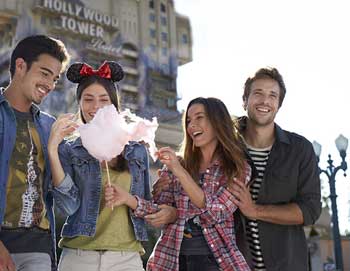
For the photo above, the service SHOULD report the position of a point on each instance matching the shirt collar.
(280, 134)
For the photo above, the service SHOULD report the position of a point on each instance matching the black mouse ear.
(117, 72)
(73, 73)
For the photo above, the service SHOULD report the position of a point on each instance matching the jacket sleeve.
(309, 188)
(219, 206)
(146, 177)
(145, 207)
(66, 195)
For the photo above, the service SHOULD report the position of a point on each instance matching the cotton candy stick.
(108, 177)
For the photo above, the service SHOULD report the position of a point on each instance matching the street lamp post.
(342, 144)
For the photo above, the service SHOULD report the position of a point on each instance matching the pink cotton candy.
(107, 134)
(143, 130)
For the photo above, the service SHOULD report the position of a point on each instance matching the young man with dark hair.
(285, 196)
(27, 234)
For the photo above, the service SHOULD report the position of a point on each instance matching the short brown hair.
(265, 73)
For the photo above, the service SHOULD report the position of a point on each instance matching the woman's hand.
(116, 196)
(168, 157)
(62, 127)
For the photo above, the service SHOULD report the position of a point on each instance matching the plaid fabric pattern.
(216, 220)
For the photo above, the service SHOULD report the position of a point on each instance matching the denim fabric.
(84, 170)
(43, 123)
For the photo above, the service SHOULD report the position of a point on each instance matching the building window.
(151, 4)
(171, 102)
(43, 20)
(184, 38)
(152, 33)
(152, 17)
(163, 20)
(153, 48)
(162, 7)
(164, 36)
(164, 51)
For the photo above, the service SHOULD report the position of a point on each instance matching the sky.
(307, 41)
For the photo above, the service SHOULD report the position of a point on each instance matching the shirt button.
(207, 171)
(219, 260)
(212, 245)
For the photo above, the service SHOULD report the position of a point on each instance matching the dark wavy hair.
(229, 148)
(266, 73)
(73, 74)
(30, 48)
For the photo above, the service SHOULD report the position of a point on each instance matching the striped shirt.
(259, 157)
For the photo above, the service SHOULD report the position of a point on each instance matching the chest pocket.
(282, 187)
(81, 165)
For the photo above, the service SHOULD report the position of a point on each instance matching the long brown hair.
(229, 148)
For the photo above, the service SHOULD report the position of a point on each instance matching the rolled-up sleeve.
(144, 207)
(66, 195)
(309, 189)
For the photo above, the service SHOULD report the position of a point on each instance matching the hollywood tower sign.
(80, 19)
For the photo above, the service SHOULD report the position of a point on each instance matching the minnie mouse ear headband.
(109, 70)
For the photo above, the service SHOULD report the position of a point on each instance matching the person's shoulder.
(296, 138)
(134, 150)
(46, 115)
(44, 118)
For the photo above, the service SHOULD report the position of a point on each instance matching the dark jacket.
(291, 176)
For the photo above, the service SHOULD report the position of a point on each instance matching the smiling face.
(199, 127)
(36, 82)
(262, 103)
(93, 98)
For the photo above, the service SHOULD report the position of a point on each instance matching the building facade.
(147, 37)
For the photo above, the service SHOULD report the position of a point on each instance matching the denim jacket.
(43, 123)
(84, 170)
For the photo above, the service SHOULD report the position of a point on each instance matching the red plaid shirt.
(216, 220)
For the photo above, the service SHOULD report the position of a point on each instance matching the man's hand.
(243, 199)
(62, 127)
(165, 215)
(161, 184)
(283, 214)
(6, 262)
